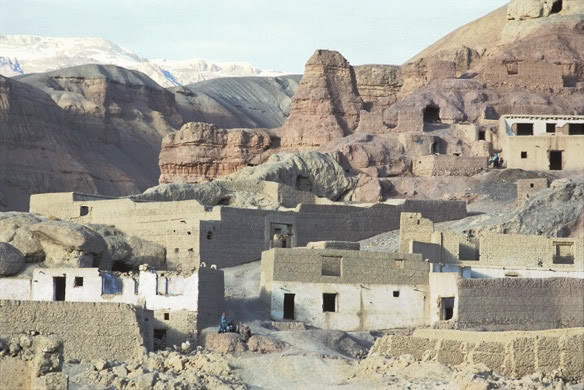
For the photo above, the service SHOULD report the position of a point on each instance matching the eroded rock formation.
(326, 105)
(200, 152)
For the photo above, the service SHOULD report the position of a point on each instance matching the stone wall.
(88, 330)
(538, 76)
(443, 165)
(513, 354)
(527, 187)
(490, 249)
(31, 362)
(228, 236)
(520, 304)
(355, 267)
(441, 70)
(211, 297)
(533, 152)
(514, 250)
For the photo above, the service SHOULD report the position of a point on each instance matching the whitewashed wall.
(359, 307)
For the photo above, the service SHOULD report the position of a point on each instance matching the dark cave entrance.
(557, 7)
(432, 114)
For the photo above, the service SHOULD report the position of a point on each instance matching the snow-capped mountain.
(23, 54)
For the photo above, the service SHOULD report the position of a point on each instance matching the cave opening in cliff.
(432, 114)
(557, 7)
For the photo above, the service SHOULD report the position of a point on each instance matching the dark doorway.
(289, 306)
(550, 128)
(432, 114)
(482, 135)
(557, 7)
(447, 311)
(576, 129)
(525, 129)
(303, 183)
(555, 160)
(159, 339)
(59, 287)
(329, 302)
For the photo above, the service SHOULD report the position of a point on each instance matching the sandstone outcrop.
(326, 105)
(201, 152)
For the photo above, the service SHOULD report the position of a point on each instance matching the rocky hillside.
(98, 128)
(94, 129)
(238, 102)
(522, 59)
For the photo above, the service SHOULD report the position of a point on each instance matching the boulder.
(223, 342)
(69, 235)
(265, 344)
(11, 260)
(315, 172)
(14, 230)
(129, 252)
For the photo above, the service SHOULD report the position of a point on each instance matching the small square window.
(531, 185)
(396, 293)
(550, 128)
(331, 266)
(166, 316)
(482, 136)
(524, 155)
(78, 281)
(329, 302)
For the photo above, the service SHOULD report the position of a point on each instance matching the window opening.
(396, 293)
(83, 210)
(482, 135)
(329, 302)
(576, 129)
(78, 281)
(550, 128)
(564, 253)
(331, 266)
(557, 7)
(523, 155)
(166, 316)
(524, 129)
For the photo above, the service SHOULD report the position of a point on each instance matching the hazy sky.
(271, 34)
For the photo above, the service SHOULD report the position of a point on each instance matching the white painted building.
(345, 289)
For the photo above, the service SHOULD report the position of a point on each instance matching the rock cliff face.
(201, 152)
(238, 102)
(92, 129)
(326, 105)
